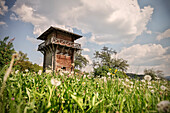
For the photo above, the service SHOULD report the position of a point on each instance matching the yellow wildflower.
(83, 83)
(115, 70)
(110, 69)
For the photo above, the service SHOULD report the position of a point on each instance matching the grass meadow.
(80, 93)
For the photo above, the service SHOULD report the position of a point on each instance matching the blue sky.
(138, 30)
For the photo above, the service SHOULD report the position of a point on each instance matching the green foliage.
(22, 63)
(103, 61)
(6, 51)
(80, 61)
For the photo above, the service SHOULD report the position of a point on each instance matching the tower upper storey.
(59, 36)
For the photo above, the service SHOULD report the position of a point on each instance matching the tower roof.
(51, 29)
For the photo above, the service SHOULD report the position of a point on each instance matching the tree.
(153, 73)
(22, 63)
(80, 61)
(104, 57)
(22, 56)
(6, 51)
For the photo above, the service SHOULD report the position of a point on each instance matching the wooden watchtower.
(58, 49)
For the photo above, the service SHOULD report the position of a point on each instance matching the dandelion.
(110, 69)
(163, 87)
(115, 70)
(55, 82)
(147, 77)
(40, 72)
(83, 83)
(16, 72)
(164, 106)
(26, 70)
(108, 73)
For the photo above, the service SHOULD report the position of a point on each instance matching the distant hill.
(132, 75)
(168, 78)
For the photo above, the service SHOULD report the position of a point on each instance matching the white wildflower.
(127, 80)
(164, 106)
(23, 75)
(157, 78)
(74, 93)
(150, 87)
(163, 87)
(131, 83)
(108, 73)
(149, 83)
(152, 91)
(26, 70)
(16, 72)
(48, 71)
(147, 77)
(40, 72)
(55, 82)
(143, 81)
(61, 73)
(123, 83)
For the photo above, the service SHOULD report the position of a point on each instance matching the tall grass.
(31, 92)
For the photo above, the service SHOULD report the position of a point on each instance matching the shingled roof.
(51, 29)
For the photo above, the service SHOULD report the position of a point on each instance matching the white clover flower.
(152, 91)
(131, 83)
(40, 72)
(149, 83)
(163, 87)
(147, 77)
(164, 106)
(157, 78)
(26, 70)
(55, 82)
(61, 73)
(74, 93)
(16, 72)
(142, 80)
(108, 73)
(150, 87)
(127, 80)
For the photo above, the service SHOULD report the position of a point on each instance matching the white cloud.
(165, 34)
(89, 67)
(33, 40)
(3, 7)
(86, 49)
(146, 56)
(110, 21)
(13, 17)
(2, 23)
(82, 41)
(149, 32)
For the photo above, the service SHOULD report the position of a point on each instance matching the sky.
(139, 30)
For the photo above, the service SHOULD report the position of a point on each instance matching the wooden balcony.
(60, 42)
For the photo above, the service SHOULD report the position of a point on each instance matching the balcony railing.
(60, 42)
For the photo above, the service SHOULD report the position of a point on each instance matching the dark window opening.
(63, 68)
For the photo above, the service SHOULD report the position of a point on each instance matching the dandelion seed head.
(164, 106)
(147, 77)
